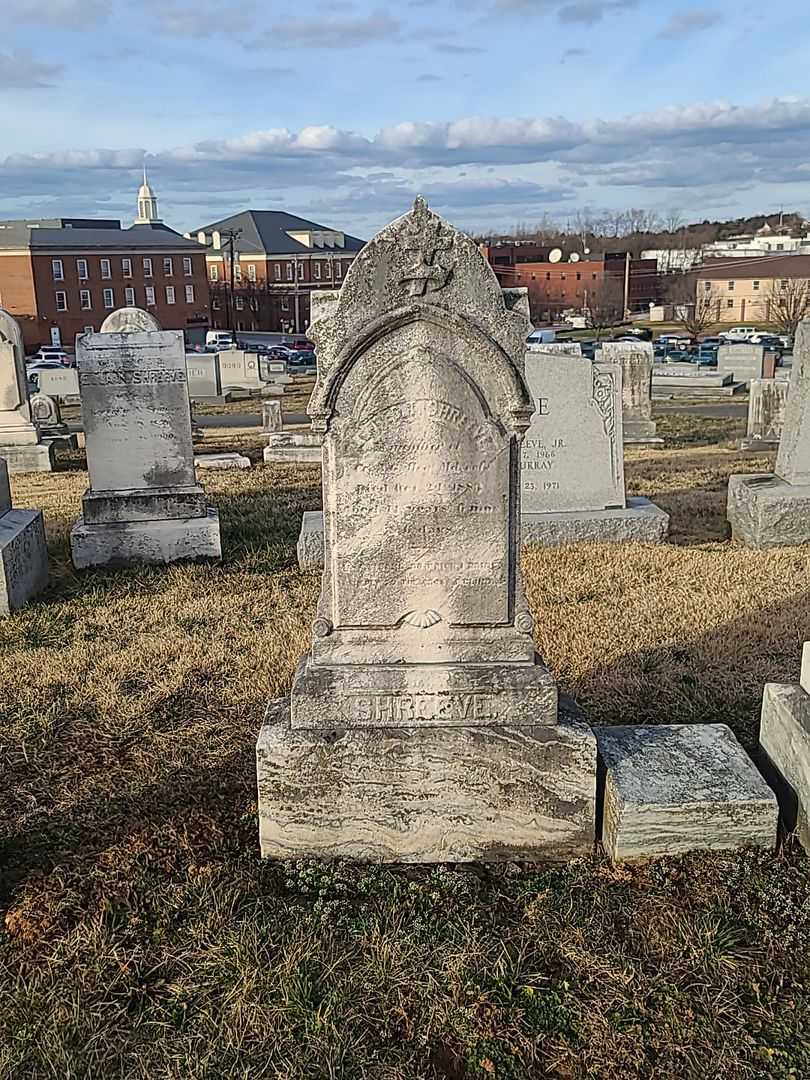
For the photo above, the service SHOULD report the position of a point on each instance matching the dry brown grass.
(144, 938)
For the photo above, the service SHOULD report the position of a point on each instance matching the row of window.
(292, 267)
(239, 304)
(561, 277)
(83, 269)
(108, 298)
(730, 285)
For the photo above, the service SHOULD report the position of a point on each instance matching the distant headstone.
(271, 417)
(558, 348)
(636, 359)
(422, 726)
(62, 384)
(20, 444)
(129, 320)
(144, 504)
(746, 362)
(239, 370)
(772, 509)
(204, 378)
(23, 551)
(766, 414)
(572, 463)
(47, 415)
(221, 461)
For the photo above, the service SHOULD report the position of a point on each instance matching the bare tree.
(787, 303)
(604, 305)
(695, 307)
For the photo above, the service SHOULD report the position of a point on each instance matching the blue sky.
(500, 111)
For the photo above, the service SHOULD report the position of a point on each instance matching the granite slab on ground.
(674, 788)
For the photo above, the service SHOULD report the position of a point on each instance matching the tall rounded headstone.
(129, 320)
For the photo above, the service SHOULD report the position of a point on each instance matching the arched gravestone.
(20, 443)
(422, 725)
(129, 320)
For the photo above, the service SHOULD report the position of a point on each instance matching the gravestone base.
(221, 461)
(641, 521)
(675, 788)
(765, 511)
(294, 448)
(128, 543)
(28, 457)
(757, 446)
(425, 795)
(23, 558)
(784, 739)
(67, 440)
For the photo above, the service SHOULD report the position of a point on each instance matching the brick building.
(61, 276)
(278, 260)
(743, 290)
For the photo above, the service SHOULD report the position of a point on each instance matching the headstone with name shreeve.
(23, 552)
(144, 504)
(20, 443)
(773, 509)
(422, 725)
(572, 462)
(767, 401)
(637, 360)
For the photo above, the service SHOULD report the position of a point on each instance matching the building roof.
(51, 234)
(265, 232)
(758, 267)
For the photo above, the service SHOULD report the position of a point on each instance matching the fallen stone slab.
(221, 461)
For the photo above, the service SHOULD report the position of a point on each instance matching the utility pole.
(231, 235)
(626, 283)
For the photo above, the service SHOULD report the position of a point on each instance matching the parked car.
(769, 340)
(588, 349)
(737, 333)
(301, 358)
(300, 344)
(678, 356)
(714, 342)
(48, 354)
(676, 341)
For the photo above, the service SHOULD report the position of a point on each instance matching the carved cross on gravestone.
(428, 240)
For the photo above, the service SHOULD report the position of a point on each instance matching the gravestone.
(766, 414)
(129, 320)
(144, 504)
(572, 462)
(558, 348)
(636, 359)
(47, 415)
(23, 552)
(60, 384)
(20, 444)
(746, 362)
(204, 379)
(772, 509)
(271, 417)
(239, 370)
(422, 725)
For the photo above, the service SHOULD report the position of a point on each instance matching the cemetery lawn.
(142, 937)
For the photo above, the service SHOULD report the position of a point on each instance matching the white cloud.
(685, 23)
(19, 71)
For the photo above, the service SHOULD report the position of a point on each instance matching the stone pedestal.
(766, 415)
(20, 443)
(144, 504)
(221, 461)
(675, 788)
(293, 448)
(784, 740)
(31, 457)
(425, 795)
(637, 361)
(765, 511)
(23, 551)
(641, 522)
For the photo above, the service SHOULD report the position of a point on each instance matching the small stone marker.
(766, 414)
(239, 370)
(271, 417)
(637, 360)
(20, 444)
(572, 462)
(558, 348)
(784, 737)
(294, 448)
(746, 362)
(675, 788)
(772, 509)
(204, 379)
(144, 504)
(422, 726)
(60, 384)
(221, 461)
(23, 551)
(47, 415)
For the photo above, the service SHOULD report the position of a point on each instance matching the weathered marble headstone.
(745, 362)
(144, 504)
(770, 509)
(23, 552)
(61, 384)
(294, 448)
(20, 442)
(239, 370)
(422, 725)
(784, 737)
(129, 320)
(636, 359)
(47, 415)
(559, 348)
(572, 462)
(204, 378)
(766, 414)
(271, 417)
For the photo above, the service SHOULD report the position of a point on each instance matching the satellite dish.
(587, 251)
(555, 255)
(574, 258)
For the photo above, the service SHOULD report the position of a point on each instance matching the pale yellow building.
(739, 290)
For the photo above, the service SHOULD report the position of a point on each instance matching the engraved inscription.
(140, 377)
(403, 709)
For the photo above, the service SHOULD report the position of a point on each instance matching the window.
(106, 273)
(215, 304)
(240, 303)
(285, 304)
(290, 271)
(254, 305)
(81, 269)
(338, 270)
(237, 272)
(187, 267)
(731, 286)
(147, 267)
(302, 269)
(756, 286)
(579, 278)
(562, 277)
(779, 247)
(58, 270)
(126, 267)
(109, 298)
(168, 269)
(89, 329)
(150, 295)
(251, 272)
(85, 300)
(61, 301)
(189, 294)
(707, 285)
(317, 271)
(730, 303)
(278, 271)
(170, 294)
(129, 297)
(213, 272)
(783, 284)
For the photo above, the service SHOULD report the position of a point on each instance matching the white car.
(738, 333)
(48, 355)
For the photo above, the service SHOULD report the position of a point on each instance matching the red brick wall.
(554, 287)
(17, 293)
